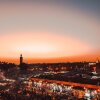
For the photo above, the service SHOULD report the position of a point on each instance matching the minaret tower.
(21, 59)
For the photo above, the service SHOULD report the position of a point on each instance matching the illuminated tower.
(21, 59)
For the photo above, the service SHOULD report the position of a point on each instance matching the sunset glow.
(48, 31)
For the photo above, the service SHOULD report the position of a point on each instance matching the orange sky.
(49, 32)
(42, 45)
(90, 58)
(45, 47)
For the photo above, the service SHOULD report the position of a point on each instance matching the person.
(87, 95)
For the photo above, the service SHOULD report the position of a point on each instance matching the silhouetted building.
(23, 66)
(21, 59)
(98, 66)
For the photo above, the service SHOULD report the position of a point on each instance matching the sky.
(49, 29)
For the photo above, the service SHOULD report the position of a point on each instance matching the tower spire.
(21, 59)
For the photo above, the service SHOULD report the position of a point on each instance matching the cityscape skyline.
(49, 49)
(84, 58)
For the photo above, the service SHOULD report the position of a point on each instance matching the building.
(21, 59)
(22, 65)
(98, 66)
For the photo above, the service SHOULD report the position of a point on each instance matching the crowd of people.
(38, 90)
(68, 91)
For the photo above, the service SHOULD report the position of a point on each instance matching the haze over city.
(56, 31)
